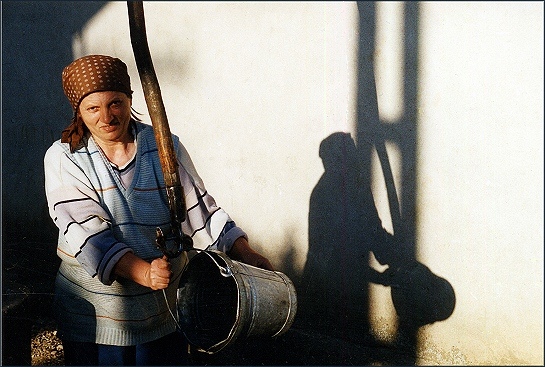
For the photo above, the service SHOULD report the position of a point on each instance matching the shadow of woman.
(344, 228)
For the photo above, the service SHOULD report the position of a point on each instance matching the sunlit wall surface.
(253, 88)
(481, 174)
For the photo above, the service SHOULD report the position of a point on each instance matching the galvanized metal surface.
(221, 300)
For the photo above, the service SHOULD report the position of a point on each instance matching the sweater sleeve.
(209, 225)
(85, 235)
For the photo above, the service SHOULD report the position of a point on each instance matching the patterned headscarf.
(86, 75)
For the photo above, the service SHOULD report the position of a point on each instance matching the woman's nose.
(106, 116)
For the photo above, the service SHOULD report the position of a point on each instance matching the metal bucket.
(220, 299)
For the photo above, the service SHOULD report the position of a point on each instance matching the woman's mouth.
(111, 126)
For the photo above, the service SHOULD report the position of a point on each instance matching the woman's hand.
(241, 251)
(155, 275)
(158, 275)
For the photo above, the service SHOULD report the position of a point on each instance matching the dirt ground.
(295, 348)
(46, 347)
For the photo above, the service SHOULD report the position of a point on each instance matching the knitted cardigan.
(99, 221)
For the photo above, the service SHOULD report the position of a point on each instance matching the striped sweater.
(100, 220)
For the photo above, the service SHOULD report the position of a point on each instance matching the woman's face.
(107, 115)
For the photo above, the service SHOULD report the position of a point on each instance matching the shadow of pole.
(370, 131)
(419, 296)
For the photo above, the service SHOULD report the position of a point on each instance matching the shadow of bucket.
(220, 300)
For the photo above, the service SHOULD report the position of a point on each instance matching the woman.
(115, 291)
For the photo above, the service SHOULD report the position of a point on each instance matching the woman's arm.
(241, 251)
(84, 225)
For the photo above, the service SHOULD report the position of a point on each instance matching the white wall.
(253, 88)
(481, 174)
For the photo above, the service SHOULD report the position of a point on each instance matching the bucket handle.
(224, 271)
